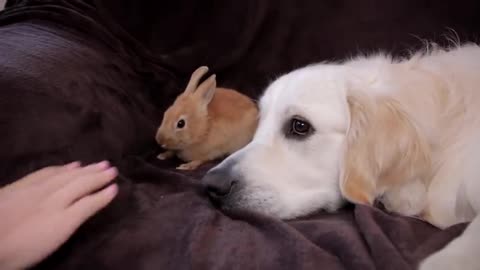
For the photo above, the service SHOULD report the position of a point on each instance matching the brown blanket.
(89, 80)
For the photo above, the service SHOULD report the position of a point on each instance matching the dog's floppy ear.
(383, 148)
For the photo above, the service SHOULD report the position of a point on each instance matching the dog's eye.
(180, 123)
(299, 128)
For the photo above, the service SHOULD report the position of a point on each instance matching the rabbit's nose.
(160, 138)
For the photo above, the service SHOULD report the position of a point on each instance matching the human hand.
(42, 210)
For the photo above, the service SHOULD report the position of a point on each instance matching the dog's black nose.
(218, 183)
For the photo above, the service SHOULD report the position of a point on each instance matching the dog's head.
(318, 141)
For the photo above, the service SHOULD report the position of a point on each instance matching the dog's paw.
(446, 260)
(435, 263)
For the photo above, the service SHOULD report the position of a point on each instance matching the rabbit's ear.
(206, 90)
(195, 78)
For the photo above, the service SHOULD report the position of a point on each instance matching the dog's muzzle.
(219, 183)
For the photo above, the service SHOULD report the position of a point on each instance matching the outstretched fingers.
(84, 184)
(65, 178)
(87, 206)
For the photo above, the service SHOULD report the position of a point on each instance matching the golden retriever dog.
(405, 132)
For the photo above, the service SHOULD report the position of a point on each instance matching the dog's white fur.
(405, 132)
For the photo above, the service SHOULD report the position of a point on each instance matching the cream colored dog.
(405, 132)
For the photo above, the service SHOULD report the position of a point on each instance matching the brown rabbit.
(205, 123)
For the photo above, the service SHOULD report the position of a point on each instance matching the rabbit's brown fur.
(217, 122)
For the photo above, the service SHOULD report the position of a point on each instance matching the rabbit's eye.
(180, 123)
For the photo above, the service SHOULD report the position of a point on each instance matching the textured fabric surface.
(89, 80)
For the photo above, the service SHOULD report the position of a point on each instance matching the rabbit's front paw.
(192, 165)
(166, 155)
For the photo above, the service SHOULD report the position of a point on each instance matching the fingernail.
(112, 189)
(103, 164)
(73, 165)
(112, 171)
